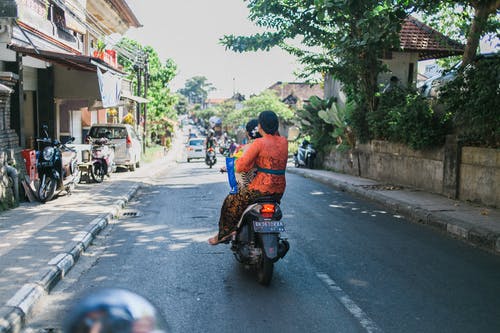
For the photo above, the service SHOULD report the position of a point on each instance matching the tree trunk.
(482, 10)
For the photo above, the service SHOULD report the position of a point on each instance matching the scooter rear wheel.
(265, 271)
(97, 171)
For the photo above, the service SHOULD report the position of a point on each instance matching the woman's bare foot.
(213, 240)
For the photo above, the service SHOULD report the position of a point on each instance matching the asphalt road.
(352, 267)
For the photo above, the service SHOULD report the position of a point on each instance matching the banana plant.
(336, 115)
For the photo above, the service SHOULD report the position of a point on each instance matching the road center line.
(365, 321)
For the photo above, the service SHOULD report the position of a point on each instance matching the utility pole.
(146, 86)
(138, 68)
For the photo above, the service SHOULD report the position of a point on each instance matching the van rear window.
(114, 132)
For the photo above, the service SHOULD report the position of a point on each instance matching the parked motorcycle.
(305, 155)
(257, 242)
(210, 157)
(102, 163)
(57, 167)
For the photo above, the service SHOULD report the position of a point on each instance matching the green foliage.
(252, 107)
(420, 126)
(182, 104)
(382, 121)
(473, 98)
(313, 125)
(338, 116)
(162, 100)
(196, 89)
(359, 123)
(343, 38)
(455, 18)
(406, 117)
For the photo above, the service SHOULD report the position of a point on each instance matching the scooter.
(102, 164)
(257, 242)
(305, 155)
(210, 157)
(57, 167)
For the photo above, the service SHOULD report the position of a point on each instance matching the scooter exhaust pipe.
(283, 248)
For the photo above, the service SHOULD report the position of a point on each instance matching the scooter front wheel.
(97, 172)
(46, 189)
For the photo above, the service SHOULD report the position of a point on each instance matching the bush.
(421, 126)
(405, 117)
(358, 121)
(473, 98)
(382, 121)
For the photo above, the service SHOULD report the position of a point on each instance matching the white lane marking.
(365, 321)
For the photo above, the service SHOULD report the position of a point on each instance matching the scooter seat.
(267, 199)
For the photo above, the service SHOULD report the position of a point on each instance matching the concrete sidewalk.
(40, 243)
(479, 226)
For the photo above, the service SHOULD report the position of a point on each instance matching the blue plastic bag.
(231, 177)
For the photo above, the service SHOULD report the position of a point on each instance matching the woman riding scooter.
(269, 155)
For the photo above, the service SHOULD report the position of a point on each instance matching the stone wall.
(9, 142)
(480, 175)
(476, 176)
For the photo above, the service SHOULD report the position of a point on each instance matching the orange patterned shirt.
(268, 152)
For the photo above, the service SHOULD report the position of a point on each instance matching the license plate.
(268, 226)
(198, 149)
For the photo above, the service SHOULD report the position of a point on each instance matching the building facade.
(53, 60)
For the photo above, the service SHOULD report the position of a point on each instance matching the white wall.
(399, 66)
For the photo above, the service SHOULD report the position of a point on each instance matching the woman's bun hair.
(252, 129)
(268, 120)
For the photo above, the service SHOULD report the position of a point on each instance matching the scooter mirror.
(45, 130)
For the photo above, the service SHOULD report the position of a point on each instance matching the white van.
(128, 145)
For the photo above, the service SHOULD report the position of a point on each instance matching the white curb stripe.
(365, 321)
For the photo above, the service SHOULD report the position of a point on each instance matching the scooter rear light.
(129, 141)
(267, 211)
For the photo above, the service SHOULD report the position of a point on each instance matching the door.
(76, 125)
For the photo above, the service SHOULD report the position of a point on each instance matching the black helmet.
(268, 120)
(253, 129)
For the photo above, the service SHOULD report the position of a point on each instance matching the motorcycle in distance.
(305, 155)
(102, 163)
(210, 157)
(257, 243)
(57, 167)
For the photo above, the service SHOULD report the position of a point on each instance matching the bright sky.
(188, 31)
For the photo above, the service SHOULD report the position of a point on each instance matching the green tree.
(267, 100)
(346, 39)
(196, 89)
(182, 104)
(466, 21)
(162, 100)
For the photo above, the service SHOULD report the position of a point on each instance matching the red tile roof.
(416, 36)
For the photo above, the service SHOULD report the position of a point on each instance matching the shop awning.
(137, 99)
(79, 62)
(89, 78)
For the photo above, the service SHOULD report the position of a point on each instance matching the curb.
(13, 314)
(455, 228)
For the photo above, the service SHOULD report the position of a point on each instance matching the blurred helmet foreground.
(113, 311)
